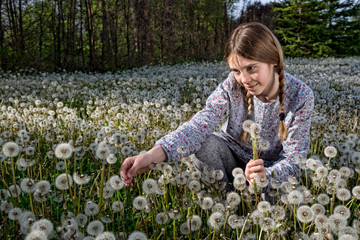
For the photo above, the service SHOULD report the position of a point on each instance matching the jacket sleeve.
(190, 135)
(298, 139)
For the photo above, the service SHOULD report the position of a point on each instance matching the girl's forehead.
(239, 62)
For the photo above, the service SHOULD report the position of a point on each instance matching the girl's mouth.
(251, 87)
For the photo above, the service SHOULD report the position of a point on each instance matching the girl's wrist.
(156, 155)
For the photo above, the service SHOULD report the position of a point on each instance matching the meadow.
(64, 136)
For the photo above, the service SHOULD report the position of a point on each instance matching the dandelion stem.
(68, 183)
(13, 178)
(101, 187)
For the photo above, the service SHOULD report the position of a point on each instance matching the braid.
(282, 129)
(244, 136)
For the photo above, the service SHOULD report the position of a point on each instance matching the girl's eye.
(251, 68)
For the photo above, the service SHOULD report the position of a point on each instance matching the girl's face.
(258, 78)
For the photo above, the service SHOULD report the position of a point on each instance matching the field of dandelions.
(64, 136)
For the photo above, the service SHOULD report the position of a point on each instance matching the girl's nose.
(245, 78)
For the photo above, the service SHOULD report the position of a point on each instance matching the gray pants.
(215, 154)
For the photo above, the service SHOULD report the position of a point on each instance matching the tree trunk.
(191, 28)
(21, 29)
(90, 30)
(169, 29)
(2, 57)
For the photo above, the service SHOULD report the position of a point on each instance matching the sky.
(238, 5)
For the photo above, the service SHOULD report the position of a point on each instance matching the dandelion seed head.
(43, 186)
(330, 152)
(336, 222)
(256, 216)
(95, 228)
(91, 209)
(247, 125)
(111, 159)
(137, 236)
(63, 181)
(267, 224)
(81, 219)
(149, 186)
(106, 236)
(11, 149)
(6, 206)
(235, 222)
(207, 203)
(295, 197)
(63, 151)
(102, 151)
(43, 225)
(305, 214)
(277, 212)
(116, 182)
(140, 203)
(342, 211)
(14, 214)
(343, 194)
(161, 218)
(318, 209)
(175, 214)
(36, 235)
(323, 199)
(216, 220)
(27, 185)
(194, 185)
(237, 171)
(81, 179)
(263, 206)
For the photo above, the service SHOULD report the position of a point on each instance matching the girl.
(258, 89)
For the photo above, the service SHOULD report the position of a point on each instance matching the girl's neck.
(273, 92)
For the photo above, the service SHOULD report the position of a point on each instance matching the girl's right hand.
(133, 166)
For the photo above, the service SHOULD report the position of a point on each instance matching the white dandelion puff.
(161, 218)
(342, 211)
(194, 223)
(11, 149)
(117, 206)
(137, 236)
(216, 220)
(63, 151)
(27, 185)
(63, 181)
(91, 209)
(295, 197)
(36, 235)
(43, 225)
(330, 152)
(106, 236)
(140, 203)
(207, 203)
(94, 228)
(247, 125)
(14, 214)
(343, 194)
(305, 214)
(116, 182)
(81, 219)
(81, 179)
(149, 186)
(264, 206)
(111, 159)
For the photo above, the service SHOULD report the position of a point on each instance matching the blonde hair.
(255, 41)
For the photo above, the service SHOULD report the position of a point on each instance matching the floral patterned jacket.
(226, 102)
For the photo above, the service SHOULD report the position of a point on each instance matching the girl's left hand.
(255, 168)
